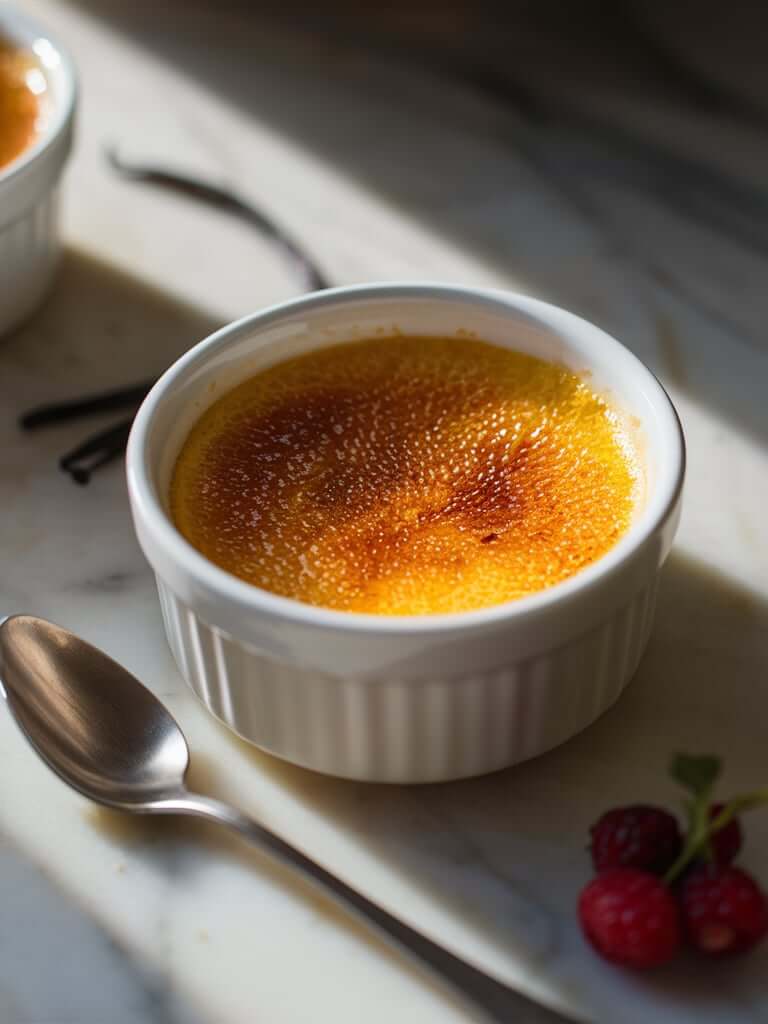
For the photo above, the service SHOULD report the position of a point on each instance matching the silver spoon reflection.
(109, 738)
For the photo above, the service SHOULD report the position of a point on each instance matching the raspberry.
(631, 918)
(635, 837)
(724, 910)
(726, 843)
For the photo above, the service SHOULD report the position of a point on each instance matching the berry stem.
(745, 802)
(702, 829)
(699, 831)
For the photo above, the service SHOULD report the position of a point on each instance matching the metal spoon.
(109, 738)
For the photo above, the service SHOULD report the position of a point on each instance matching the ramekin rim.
(148, 505)
(63, 112)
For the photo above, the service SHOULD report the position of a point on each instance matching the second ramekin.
(29, 225)
(420, 698)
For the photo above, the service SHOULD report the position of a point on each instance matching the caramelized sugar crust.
(18, 104)
(406, 475)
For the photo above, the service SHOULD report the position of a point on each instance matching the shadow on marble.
(118, 329)
(590, 214)
(502, 852)
(175, 846)
(100, 328)
(60, 967)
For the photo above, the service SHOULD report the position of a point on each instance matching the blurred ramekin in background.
(29, 228)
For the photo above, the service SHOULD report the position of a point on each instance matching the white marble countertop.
(623, 200)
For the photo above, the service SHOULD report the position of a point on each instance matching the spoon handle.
(496, 1001)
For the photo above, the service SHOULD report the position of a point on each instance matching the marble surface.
(634, 200)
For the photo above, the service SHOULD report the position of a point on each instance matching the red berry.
(631, 918)
(724, 910)
(635, 837)
(727, 842)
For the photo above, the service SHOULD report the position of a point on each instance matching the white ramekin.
(419, 698)
(29, 231)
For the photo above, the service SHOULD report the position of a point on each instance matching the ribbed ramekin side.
(410, 730)
(29, 251)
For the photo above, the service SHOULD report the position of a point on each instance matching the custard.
(21, 82)
(406, 475)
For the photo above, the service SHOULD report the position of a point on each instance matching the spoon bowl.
(91, 721)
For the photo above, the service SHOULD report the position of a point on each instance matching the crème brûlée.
(407, 475)
(21, 83)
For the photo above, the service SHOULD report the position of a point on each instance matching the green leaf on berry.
(698, 774)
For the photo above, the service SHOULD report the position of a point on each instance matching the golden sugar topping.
(406, 475)
(20, 83)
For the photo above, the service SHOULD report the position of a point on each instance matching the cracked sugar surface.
(406, 475)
